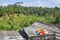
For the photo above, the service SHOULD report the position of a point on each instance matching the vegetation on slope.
(14, 17)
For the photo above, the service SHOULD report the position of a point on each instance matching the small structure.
(31, 32)
(51, 28)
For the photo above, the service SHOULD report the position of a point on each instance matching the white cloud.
(27, 4)
(56, 2)
(38, 3)
(5, 4)
(43, 3)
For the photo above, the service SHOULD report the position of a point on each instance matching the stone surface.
(49, 27)
(10, 35)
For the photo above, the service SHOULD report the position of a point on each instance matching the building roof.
(51, 28)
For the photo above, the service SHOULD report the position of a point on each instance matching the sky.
(32, 3)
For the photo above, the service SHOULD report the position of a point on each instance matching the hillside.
(15, 22)
(15, 17)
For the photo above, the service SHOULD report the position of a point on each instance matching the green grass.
(16, 23)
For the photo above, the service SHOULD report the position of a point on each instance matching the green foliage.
(4, 25)
(57, 21)
(17, 22)
(14, 17)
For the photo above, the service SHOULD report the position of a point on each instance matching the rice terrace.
(29, 20)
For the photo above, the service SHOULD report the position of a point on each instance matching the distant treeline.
(48, 13)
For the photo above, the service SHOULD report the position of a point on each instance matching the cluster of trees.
(51, 15)
(38, 11)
